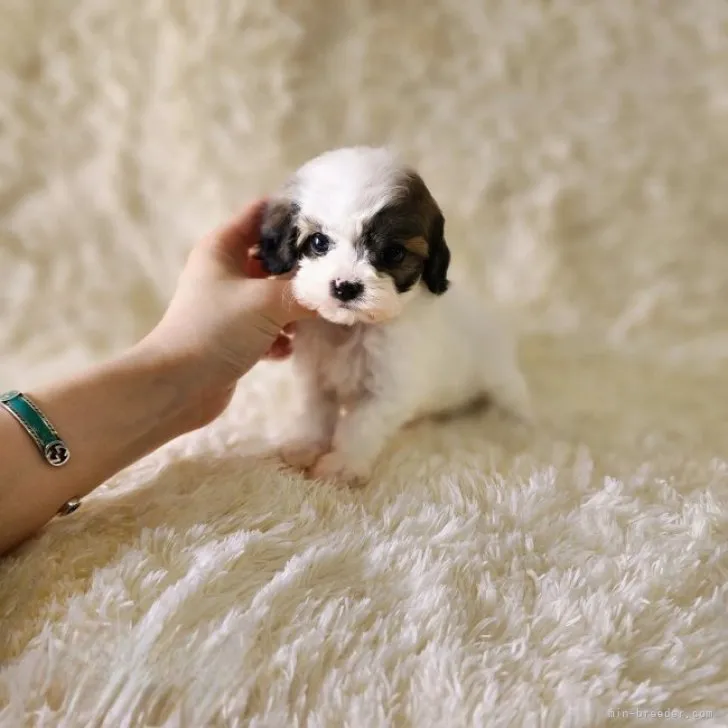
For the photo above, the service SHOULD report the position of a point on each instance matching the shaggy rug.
(486, 577)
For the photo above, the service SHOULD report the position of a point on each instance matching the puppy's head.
(362, 232)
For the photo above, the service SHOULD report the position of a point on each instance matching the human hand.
(225, 314)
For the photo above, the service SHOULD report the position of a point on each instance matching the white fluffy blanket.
(483, 578)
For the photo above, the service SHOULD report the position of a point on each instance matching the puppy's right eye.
(319, 243)
(393, 254)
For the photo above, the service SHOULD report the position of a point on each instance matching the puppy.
(394, 341)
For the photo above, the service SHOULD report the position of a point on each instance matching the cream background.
(579, 151)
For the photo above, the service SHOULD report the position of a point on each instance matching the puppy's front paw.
(302, 454)
(334, 466)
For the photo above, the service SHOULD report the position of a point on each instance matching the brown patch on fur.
(418, 246)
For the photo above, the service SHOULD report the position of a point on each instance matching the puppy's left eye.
(319, 243)
(393, 254)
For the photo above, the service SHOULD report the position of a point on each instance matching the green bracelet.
(49, 443)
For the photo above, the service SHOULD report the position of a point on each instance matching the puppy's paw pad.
(302, 455)
(335, 467)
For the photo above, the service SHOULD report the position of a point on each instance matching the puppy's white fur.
(370, 366)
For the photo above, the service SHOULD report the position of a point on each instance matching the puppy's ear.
(438, 257)
(278, 235)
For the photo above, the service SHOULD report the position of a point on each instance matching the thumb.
(234, 241)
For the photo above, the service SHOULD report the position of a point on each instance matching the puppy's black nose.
(346, 290)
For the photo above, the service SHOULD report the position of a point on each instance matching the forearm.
(223, 318)
(109, 417)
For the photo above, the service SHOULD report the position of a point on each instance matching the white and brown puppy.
(393, 341)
